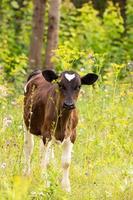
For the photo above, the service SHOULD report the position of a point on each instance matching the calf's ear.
(49, 75)
(89, 79)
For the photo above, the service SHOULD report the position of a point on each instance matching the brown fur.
(48, 116)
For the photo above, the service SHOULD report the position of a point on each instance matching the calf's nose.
(68, 105)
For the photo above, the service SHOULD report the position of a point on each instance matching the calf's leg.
(45, 154)
(28, 150)
(66, 160)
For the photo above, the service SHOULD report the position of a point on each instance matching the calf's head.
(69, 83)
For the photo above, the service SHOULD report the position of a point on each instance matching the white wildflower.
(3, 165)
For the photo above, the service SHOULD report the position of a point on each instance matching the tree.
(102, 4)
(52, 35)
(37, 34)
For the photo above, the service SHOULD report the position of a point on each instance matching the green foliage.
(82, 32)
(128, 40)
(14, 37)
(113, 22)
(82, 29)
(67, 58)
(114, 29)
(82, 25)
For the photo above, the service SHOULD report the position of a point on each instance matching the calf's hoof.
(66, 186)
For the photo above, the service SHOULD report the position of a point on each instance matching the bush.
(82, 30)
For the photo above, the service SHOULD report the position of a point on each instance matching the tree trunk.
(52, 35)
(37, 34)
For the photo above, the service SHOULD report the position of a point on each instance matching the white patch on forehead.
(69, 77)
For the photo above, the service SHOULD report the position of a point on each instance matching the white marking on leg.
(52, 153)
(69, 77)
(66, 160)
(45, 151)
(28, 150)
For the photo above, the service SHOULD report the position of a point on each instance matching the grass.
(102, 164)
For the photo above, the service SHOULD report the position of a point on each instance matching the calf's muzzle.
(68, 105)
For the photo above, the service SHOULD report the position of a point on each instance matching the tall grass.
(102, 164)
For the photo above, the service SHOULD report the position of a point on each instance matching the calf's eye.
(62, 87)
(77, 87)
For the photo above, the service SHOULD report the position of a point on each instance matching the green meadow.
(93, 37)
(102, 164)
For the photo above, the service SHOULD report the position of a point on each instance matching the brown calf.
(49, 112)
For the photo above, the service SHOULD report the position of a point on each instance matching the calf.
(50, 112)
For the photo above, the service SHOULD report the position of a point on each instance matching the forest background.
(85, 36)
